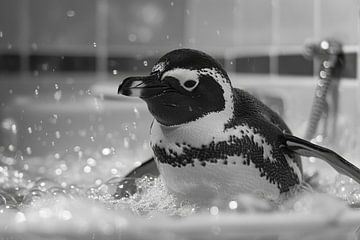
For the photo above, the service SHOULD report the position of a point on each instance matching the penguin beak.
(143, 87)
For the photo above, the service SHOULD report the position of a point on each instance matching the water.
(76, 194)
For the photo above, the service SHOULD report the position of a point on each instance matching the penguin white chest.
(201, 161)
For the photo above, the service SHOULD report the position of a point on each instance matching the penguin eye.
(189, 83)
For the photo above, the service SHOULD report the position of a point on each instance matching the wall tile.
(210, 23)
(296, 21)
(9, 24)
(253, 22)
(151, 23)
(340, 20)
(62, 24)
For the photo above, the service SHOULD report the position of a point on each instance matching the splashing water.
(62, 192)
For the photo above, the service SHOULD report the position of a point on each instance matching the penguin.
(211, 140)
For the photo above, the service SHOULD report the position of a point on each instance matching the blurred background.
(62, 60)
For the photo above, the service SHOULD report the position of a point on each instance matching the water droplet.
(323, 74)
(44, 184)
(218, 32)
(29, 130)
(11, 148)
(87, 169)
(77, 148)
(167, 37)
(172, 4)
(33, 195)
(106, 151)
(145, 63)
(13, 128)
(115, 72)
(57, 95)
(20, 217)
(132, 37)
(126, 142)
(70, 13)
(57, 135)
(233, 205)
(28, 150)
(9, 46)
(34, 46)
(65, 215)
(325, 45)
(91, 162)
(187, 11)
(57, 156)
(58, 171)
(92, 138)
(11, 91)
(1, 34)
(214, 210)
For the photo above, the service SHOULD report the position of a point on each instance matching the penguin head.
(183, 86)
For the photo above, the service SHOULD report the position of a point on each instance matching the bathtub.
(60, 128)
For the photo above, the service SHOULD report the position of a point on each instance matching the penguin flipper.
(128, 183)
(308, 149)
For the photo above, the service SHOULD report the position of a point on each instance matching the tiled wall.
(248, 36)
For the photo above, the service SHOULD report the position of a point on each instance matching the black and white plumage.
(212, 140)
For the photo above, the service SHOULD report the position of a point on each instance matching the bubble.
(172, 4)
(33, 196)
(115, 72)
(145, 63)
(218, 32)
(1, 34)
(94, 44)
(36, 91)
(132, 37)
(29, 130)
(58, 192)
(44, 184)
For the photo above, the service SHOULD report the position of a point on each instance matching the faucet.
(323, 117)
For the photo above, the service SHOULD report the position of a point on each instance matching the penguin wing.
(308, 149)
(128, 184)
